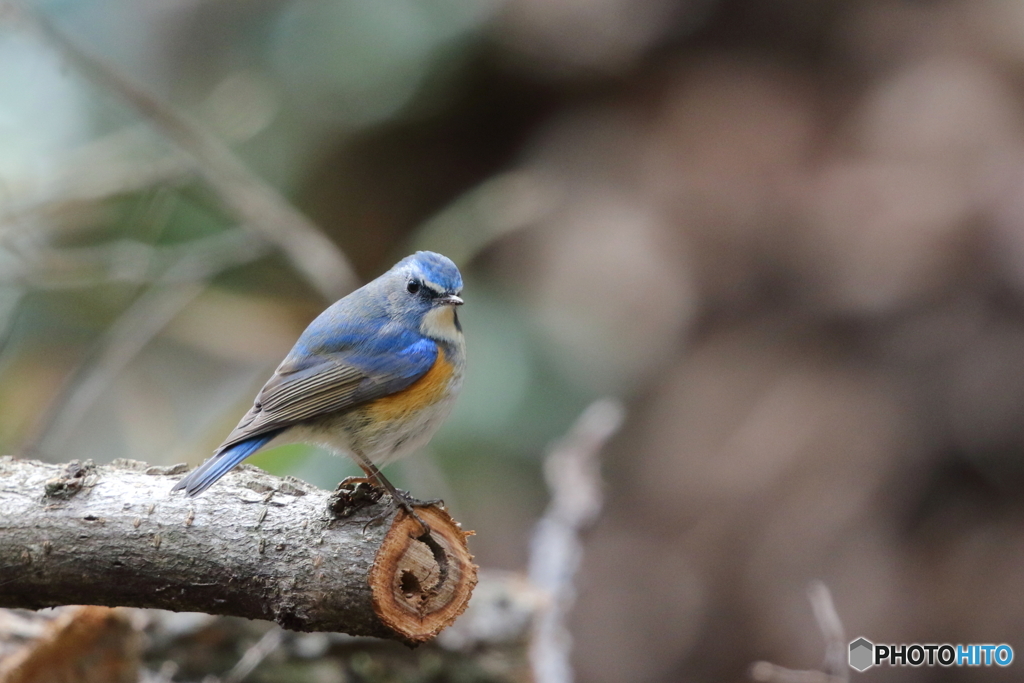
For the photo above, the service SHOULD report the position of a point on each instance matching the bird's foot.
(402, 500)
(354, 493)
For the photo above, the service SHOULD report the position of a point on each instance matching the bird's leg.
(397, 497)
(403, 497)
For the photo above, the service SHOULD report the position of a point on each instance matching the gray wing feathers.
(291, 397)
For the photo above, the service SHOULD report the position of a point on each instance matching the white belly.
(383, 442)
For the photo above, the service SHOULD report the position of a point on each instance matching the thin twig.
(126, 261)
(10, 298)
(253, 202)
(95, 172)
(165, 674)
(252, 658)
(835, 669)
(573, 474)
(178, 286)
(831, 629)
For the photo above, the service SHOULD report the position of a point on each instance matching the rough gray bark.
(255, 546)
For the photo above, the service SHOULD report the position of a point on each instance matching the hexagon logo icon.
(862, 653)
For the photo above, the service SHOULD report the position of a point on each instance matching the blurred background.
(790, 235)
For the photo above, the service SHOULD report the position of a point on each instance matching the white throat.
(439, 323)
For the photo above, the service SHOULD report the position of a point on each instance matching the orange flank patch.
(424, 392)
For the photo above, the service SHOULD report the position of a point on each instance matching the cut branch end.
(422, 582)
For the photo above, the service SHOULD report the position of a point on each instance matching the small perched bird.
(372, 377)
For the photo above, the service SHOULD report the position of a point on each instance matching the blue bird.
(373, 376)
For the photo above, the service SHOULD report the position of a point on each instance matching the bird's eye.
(413, 287)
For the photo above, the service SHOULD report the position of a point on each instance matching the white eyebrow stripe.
(433, 286)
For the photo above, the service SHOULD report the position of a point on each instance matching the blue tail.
(207, 474)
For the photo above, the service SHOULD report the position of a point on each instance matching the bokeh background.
(790, 235)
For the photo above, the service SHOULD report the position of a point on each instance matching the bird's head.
(425, 289)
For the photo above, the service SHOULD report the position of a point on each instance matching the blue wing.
(344, 374)
(345, 370)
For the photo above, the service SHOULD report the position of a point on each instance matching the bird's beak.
(448, 300)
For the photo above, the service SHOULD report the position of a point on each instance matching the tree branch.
(254, 546)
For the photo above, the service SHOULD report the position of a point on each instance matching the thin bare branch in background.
(572, 471)
(121, 343)
(835, 669)
(9, 300)
(165, 674)
(177, 286)
(253, 202)
(132, 262)
(252, 658)
(127, 161)
(503, 204)
(831, 628)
